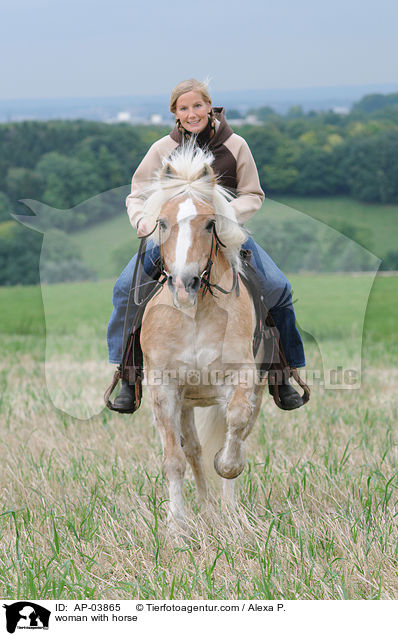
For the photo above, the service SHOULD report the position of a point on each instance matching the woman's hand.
(143, 228)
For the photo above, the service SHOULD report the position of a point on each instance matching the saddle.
(266, 342)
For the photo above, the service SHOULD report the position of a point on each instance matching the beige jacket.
(232, 155)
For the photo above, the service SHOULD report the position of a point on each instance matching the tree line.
(63, 163)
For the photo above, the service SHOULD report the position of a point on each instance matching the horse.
(197, 332)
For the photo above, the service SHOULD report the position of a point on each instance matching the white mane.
(186, 172)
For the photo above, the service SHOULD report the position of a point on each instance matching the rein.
(139, 265)
(136, 285)
(205, 276)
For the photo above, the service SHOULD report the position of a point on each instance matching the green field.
(97, 244)
(377, 224)
(90, 304)
(379, 220)
(83, 501)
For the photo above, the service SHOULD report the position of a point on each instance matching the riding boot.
(289, 398)
(125, 400)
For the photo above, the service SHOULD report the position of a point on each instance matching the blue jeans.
(275, 287)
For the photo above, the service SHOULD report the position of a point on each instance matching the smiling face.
(192, 111)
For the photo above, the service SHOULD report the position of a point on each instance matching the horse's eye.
(210, 226)
(162, 224)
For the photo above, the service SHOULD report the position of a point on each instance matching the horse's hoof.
(182, 537)
(227, 470)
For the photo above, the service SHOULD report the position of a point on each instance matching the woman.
(190, 103)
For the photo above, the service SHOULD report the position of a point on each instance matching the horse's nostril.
(193, 284)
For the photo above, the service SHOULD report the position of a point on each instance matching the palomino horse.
(197, 333)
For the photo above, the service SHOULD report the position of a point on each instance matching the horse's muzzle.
(184, 289)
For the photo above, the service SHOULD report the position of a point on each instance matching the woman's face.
(192, 111)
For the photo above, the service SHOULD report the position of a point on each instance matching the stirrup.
(275, 393)
(138, 393)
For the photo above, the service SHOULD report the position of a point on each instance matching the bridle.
(204, 277)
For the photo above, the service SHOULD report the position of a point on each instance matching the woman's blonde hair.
(185, 87)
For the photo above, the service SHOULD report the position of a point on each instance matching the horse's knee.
(192, 449)
(239, 413)
(174, 465)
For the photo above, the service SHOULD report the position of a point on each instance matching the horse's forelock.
(186, 173)
(189, 160)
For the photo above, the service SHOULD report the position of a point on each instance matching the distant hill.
(143, 106)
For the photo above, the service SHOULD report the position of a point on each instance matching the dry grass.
(83, 503)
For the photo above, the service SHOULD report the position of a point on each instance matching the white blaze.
(186, 212)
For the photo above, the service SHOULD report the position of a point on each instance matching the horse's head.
(186, 230)
(194, 215)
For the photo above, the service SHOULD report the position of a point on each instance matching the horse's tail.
(211, 427)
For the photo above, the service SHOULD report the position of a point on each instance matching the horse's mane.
(187, 172)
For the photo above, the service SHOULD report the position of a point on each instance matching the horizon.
(383, 86)
(140, 108)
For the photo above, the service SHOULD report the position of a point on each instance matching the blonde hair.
(185, 87)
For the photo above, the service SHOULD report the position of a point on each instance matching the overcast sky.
(78, 48)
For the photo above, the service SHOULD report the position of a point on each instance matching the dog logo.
(26, 615)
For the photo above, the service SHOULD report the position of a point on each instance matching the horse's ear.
(167, 171)
(208, 172)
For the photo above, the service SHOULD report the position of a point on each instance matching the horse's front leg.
(230, 459)
(193, 450)
(166, 404)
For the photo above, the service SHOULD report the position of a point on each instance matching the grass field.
(97, 243)
(83, 502)
(22, 307)
(380, 220)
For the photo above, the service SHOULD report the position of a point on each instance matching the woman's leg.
(125, 400)
(278, 299)
(116, 321)
(120, 299)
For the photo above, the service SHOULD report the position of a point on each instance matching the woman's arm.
(249, 193)
(143, 176)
